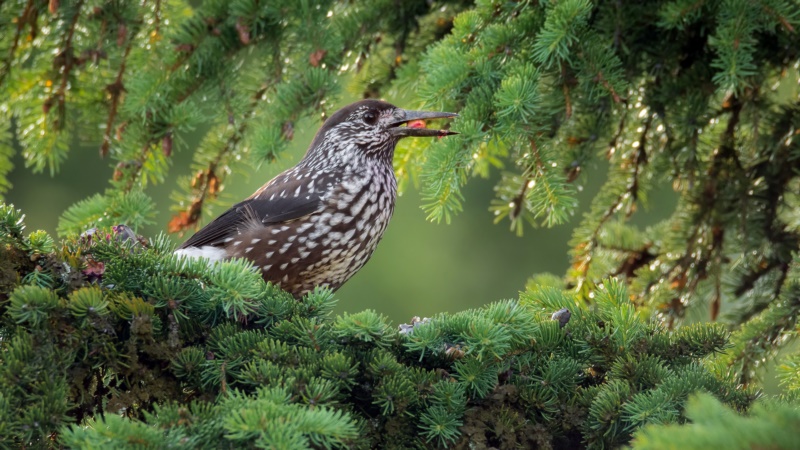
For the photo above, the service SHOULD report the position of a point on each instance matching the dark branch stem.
(21, 20)
(609, 88)
(115, 90)
(527, 176)
(565, 88)
(69, 60)
(612, 144)
(638, 159)
(705, 219)
(157, 17)
(782, 20)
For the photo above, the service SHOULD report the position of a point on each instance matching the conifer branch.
(748, 281)
(637, 160)
(609, 88)
(22, 19)
(115, 90)
(65, 62)
(691, 9)
(157, 17)
(705, 223)
(207, 182)
(763, 335)
(529, 175)
(565, 89)
(288, 357)
(135, 166)
(620, 129)
(781, 19)
(633, 259)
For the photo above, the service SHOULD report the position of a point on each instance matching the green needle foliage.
(111, 341)
(769, 425)
(129, 346)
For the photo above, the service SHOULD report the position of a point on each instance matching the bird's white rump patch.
(209, 252)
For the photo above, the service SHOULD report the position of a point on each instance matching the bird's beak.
(403, 116)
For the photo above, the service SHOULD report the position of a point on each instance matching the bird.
(317, 223)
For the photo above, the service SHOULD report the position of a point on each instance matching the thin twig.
(639, 159)
(66, 46)
(21, 20)
(116, 94)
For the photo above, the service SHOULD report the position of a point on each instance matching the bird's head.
(370, 128)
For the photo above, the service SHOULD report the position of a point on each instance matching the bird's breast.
(349, 229)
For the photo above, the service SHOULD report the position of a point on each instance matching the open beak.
(403, 116)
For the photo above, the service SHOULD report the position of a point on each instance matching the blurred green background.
(419, 269)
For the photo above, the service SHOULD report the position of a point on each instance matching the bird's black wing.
(287, 197)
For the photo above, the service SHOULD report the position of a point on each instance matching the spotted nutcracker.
(318, 223)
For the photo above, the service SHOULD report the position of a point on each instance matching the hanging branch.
(749, 280)
(115, 89)
(132, 169)
(601, 79)
(207, 183)
(21, 21)
(565, 89)
(637, 160)
(787, 242)
(66, 61)
(678, 274)
(528, 175)
(157, 17)
(781, 19)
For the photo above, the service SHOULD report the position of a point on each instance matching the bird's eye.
(370, 117)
